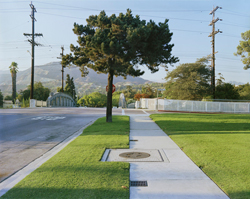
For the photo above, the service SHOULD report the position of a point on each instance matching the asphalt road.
(26, 134)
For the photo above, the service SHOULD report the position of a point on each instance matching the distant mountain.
(51, 76)
(236, 83)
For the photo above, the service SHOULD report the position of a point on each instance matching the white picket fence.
(193, 106)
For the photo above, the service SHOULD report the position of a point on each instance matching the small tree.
(226, 91)
(70, 86)
(115, 98)
(148, 91)
(8, 97)
(139, 95)
(220, 80)
(95, 99)
(244, 91)
(115, 45)
(243, 49)
(13, 70)
(129, 92)
(40, 92)
(1, 99)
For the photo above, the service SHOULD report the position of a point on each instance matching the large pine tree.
(115, 45)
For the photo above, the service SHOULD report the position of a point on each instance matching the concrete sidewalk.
(176, 177)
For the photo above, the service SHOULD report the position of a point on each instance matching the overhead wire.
(14, 27)
(233, 13)
(194, 20)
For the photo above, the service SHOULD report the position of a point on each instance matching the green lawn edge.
(77, 172)
(217, 143)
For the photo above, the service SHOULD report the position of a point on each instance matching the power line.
(189, 30)
(197, 20)
(14, 27)
(234, 13)
(83, 8)
(62, 15)
(230, 24)
(68, 6)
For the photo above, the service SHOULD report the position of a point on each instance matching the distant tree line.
(191, 81)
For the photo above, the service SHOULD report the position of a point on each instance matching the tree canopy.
(13, 70)
(95, 99)
(243, 49)
(226, 91)
(40, 92)
(13, 67)
(129, 92)
(189, 81)
(70, 86)
(115, 45)
(244, 91)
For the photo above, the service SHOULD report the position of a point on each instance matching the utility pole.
(212, 23)
(33, 44)
(62, 65)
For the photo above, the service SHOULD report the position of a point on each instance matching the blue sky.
(188, 20)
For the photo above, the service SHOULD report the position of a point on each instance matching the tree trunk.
(13, 75)
(109, 97)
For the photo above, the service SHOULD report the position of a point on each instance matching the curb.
(10, 182)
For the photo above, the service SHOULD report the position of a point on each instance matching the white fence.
(41, 103)
(194, 106)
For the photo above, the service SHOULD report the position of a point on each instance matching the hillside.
(50, 75)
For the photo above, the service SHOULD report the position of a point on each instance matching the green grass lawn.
(218, 143)
(76, 171)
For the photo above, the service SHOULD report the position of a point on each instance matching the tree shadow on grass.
(195, 127)
(63, 193)
(239, 195)
(88, 181)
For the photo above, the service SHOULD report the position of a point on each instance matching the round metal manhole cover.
(134, 155)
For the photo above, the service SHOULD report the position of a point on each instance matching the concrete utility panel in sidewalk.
(115, 155)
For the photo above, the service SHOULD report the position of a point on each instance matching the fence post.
(192, 106)
(156, 101)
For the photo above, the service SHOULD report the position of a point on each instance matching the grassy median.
(218, 143)
(76, 171)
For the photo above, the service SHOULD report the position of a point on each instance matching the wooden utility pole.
(212, 23)
(33, 44)
(62, 65)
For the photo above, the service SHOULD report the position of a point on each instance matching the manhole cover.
(134, 155)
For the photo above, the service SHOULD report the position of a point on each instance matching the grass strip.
(217, 143)
(76, 171)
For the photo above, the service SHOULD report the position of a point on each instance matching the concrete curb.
(10, 182)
